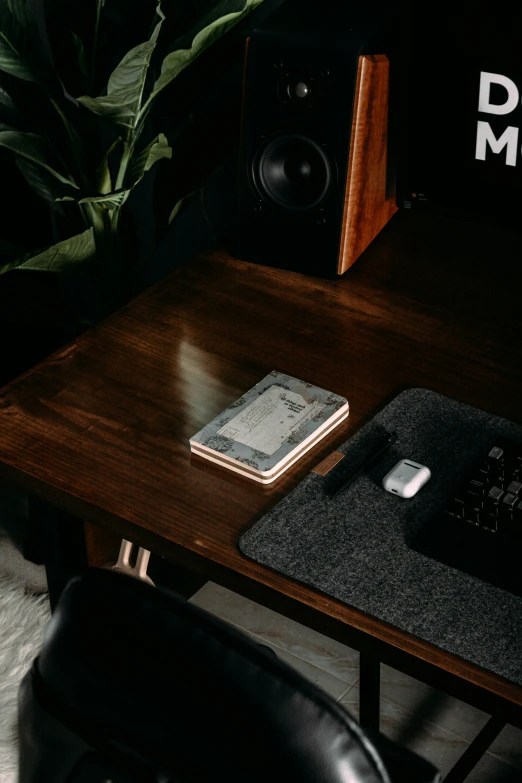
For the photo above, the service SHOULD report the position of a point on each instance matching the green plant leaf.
(80, 58)
(33, 148)
(157, 27)
(9, 114)
(193, 15)
(43, 183)
(123, 101)
(172, 65)
(157, 149)
(109, 201)
(219, 27)
(103, 174)
(99, 6)
(73, 137)
(177, 61)
(179, 206)
(77, 251)
(15, 22)
(21, 50)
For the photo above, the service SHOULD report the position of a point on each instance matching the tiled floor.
(434, 725)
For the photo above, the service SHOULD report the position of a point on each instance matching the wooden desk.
(101, 429)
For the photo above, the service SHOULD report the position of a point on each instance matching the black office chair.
(136, 685)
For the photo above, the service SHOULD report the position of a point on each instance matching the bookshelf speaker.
(315, 184)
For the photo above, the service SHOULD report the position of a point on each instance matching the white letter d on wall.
(486, 80)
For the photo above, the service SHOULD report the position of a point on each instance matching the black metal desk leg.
(475, 751)
(369, 691)
(63, 545)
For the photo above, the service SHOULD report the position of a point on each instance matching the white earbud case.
(406, 478)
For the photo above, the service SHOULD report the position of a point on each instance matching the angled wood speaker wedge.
(370, 198)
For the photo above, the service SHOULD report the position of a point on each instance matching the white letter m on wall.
(509, 139)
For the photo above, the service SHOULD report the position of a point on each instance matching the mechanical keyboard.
(479, 530)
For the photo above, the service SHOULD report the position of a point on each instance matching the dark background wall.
(442, 49)
(445, 48)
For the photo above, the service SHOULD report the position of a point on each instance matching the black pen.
(365, 463)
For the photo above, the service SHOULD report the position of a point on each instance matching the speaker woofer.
(292, 172)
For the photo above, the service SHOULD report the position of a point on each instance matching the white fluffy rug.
(23, 617)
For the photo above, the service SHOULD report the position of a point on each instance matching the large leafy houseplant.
(84, 154)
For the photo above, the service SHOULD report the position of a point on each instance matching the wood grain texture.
(102, 427)
(368, 204)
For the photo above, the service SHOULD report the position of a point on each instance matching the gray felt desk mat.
(353, 547)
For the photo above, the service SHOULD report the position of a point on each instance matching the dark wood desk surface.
(101, 429)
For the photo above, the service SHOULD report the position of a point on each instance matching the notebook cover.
(272, 421)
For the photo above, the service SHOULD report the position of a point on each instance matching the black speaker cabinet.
(314, 185)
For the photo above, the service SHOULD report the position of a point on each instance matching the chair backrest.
(135, 684)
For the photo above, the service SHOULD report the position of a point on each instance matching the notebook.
(270, 427)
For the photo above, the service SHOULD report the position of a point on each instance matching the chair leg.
(369, 691)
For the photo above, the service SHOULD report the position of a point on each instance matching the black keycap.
(510, 523)
(494, 494)
(509, 500)
(472, 515)
(495, 454)
(514, 487)
(479, 487)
